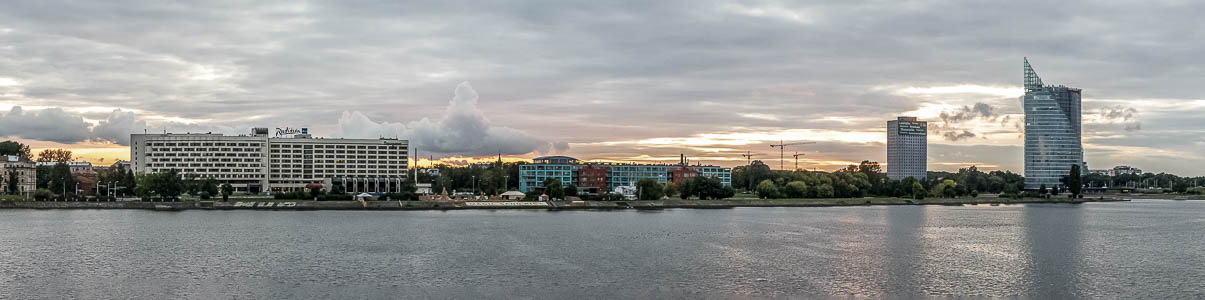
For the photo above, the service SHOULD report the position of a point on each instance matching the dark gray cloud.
(587, 71)
(978, 111)
(56, 125)
(52, 124)
(957, 136)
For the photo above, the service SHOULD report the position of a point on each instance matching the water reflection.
(1052, 238)
(905, 249)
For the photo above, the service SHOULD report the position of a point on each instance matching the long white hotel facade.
(259, 164)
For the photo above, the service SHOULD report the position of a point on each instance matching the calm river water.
(1141, 249)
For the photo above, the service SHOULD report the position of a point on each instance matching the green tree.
(210, 186)
(796, 189)
(15, 148)
(54, 155)
(825, 191)
(165, 185)
(14, 178)
(1011, 190)
(315, 191)
(227, 189)
(649, 189)
(671, 189)
(571, 190)
(42, 194)
(686, 190)
(918, 191)
(61, 180)
(708, 188)
(1074, 183)
(767, 189)
(1042, 190)
(552, 187)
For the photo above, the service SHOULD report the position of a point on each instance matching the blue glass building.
(1052, 131)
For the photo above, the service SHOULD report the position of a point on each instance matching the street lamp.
(505, 182)
(474, 184)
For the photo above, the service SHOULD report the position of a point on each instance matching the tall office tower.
(907, 148)
(1052, 131)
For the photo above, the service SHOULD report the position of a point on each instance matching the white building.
(258, 164)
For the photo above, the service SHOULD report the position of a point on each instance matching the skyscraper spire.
(1032, 81)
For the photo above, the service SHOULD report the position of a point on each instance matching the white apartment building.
(260, 164)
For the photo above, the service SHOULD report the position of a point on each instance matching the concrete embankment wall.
(575, 205)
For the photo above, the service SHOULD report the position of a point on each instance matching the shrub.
(767, 190)
(42, 194)
(796, 189)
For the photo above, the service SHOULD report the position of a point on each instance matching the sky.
(623, 81)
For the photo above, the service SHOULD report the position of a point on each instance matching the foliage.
(796, 189)
(707, 188)
(745, 177)
(42, 194)
(166, 185)
(918, 191)
(649, 189)
(671, 189)
(12, 184)
(571, 190)
(15, 148)
(315, 191)
(552, 187)
(227, 189)
(767, 190)
(946, 189)
(60, 179)
(1074, 182)
(54, 155)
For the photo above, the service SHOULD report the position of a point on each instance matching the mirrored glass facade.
(1052, 131)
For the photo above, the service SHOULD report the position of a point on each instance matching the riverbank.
(558, 205)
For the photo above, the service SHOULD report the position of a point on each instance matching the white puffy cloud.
(463, 129)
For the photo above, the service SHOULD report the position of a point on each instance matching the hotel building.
(259, 164)
(907, 148)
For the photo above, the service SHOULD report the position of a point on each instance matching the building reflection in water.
(1053, 238)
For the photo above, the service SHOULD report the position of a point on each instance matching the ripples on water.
(1143, 249)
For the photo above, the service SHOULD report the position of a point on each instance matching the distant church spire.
(1032, 81)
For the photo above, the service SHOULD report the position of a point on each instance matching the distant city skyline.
(614, 82)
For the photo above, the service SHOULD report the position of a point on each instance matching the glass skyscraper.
(1052, 131)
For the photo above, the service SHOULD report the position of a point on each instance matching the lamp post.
(474, 184)
(505, 183)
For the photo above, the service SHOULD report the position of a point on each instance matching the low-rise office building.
(594, 178)
(257, 163)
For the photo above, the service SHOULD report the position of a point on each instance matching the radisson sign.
(291, 131)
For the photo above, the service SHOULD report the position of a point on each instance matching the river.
(1140, 249)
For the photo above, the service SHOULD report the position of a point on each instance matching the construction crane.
(749, 155)
(797, 155)
(782, 155)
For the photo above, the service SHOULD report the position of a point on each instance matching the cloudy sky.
(610, 80)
